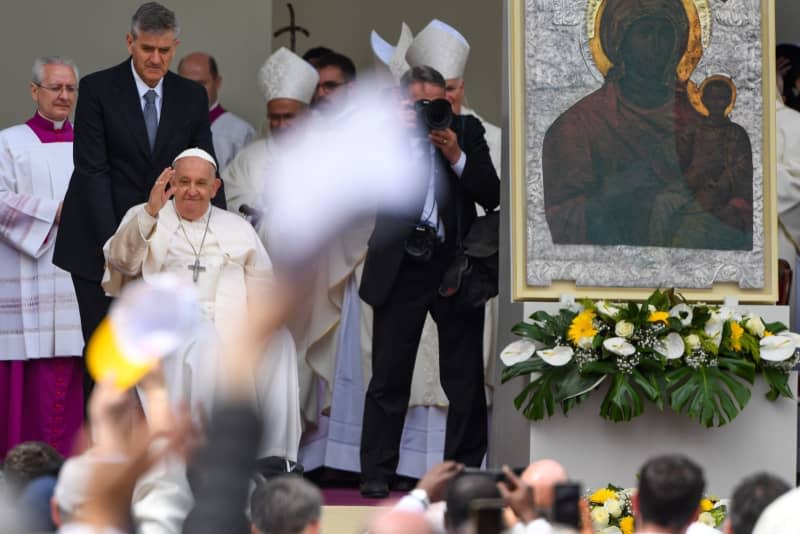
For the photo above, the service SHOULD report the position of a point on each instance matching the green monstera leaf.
(713, 396)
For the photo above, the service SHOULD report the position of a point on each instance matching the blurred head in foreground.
(542, 476)
(462, 493)
(286, 505)
(750, 498)
(28, 461)
(669, 493)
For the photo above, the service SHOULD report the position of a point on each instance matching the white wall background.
(92, 32)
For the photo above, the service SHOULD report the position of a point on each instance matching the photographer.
(406, 262)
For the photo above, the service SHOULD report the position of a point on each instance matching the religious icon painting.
(642, 148)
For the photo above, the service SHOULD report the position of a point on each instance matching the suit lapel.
(169, 113)
(132, 108)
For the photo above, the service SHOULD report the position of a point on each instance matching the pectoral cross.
(196, 269)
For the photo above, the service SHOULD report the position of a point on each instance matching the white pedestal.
(597, 452)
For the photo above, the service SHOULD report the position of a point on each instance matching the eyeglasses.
(56, 89)
(330, 86)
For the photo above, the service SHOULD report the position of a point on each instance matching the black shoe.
(404, 484)
(374, 489)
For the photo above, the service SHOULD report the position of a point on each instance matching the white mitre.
(442, 47)
(394, 57)
(287, 75)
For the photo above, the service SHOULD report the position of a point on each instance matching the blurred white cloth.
(244, 176)
(781, 516)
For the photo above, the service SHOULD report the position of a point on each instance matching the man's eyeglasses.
(56, 89)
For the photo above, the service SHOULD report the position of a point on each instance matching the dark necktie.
(150, 117)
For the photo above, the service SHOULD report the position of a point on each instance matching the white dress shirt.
(142, 88)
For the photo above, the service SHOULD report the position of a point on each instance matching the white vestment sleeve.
(788, 151)
(27, 222)
(127, 247)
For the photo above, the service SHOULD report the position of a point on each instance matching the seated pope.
(219, 254)
(607, 158)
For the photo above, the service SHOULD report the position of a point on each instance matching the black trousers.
(93, 306)
(397, 328)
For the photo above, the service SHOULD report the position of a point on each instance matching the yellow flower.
(659, 316)
(626, 525)
(706, 505)
(602, 495)
(581, 327)
(736, 336)
(767, 333)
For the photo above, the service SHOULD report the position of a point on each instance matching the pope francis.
(219, 253)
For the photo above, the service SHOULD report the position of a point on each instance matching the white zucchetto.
(442, 47)
(195, 153)
(287, 75)
(394, 57)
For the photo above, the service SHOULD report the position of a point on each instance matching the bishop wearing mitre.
(220, 255)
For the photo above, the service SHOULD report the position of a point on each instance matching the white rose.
(619, 346)
(613, 507)
(671, 346)
(557, 356)
(707, 519)
(692, 341)
(624, 329)
(777, 348)
(683, 313)
(754, 325)
(600, 517)
(610, 530)
(585, 342)
(606, 309)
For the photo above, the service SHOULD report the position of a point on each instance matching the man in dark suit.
(401, 283)
(130, 123)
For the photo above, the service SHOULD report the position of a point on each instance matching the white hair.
(40, 62)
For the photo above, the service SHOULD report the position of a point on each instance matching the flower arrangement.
(611, 510)
(698, 359)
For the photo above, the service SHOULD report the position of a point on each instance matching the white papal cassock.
(229, 134)
(235, 260)
(40, 336)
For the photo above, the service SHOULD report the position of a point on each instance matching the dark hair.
(670, 489)
(344, 63)
(285, 505)
(30, 460)
(423, 74)
(316, 53)
(462, 492)
(152, 17)
(751, 497)
(213, 69)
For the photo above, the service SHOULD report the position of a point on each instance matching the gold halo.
(696, 94)
(698, 13)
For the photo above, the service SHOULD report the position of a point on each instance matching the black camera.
(434, 114)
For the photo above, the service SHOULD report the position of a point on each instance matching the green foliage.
(712, 391)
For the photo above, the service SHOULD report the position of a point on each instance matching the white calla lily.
(672, 346)
(777, 348)
(723, 313)
(557, 356)
(683, 313)
(519, 351)
(714, 326)
(619, 346)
